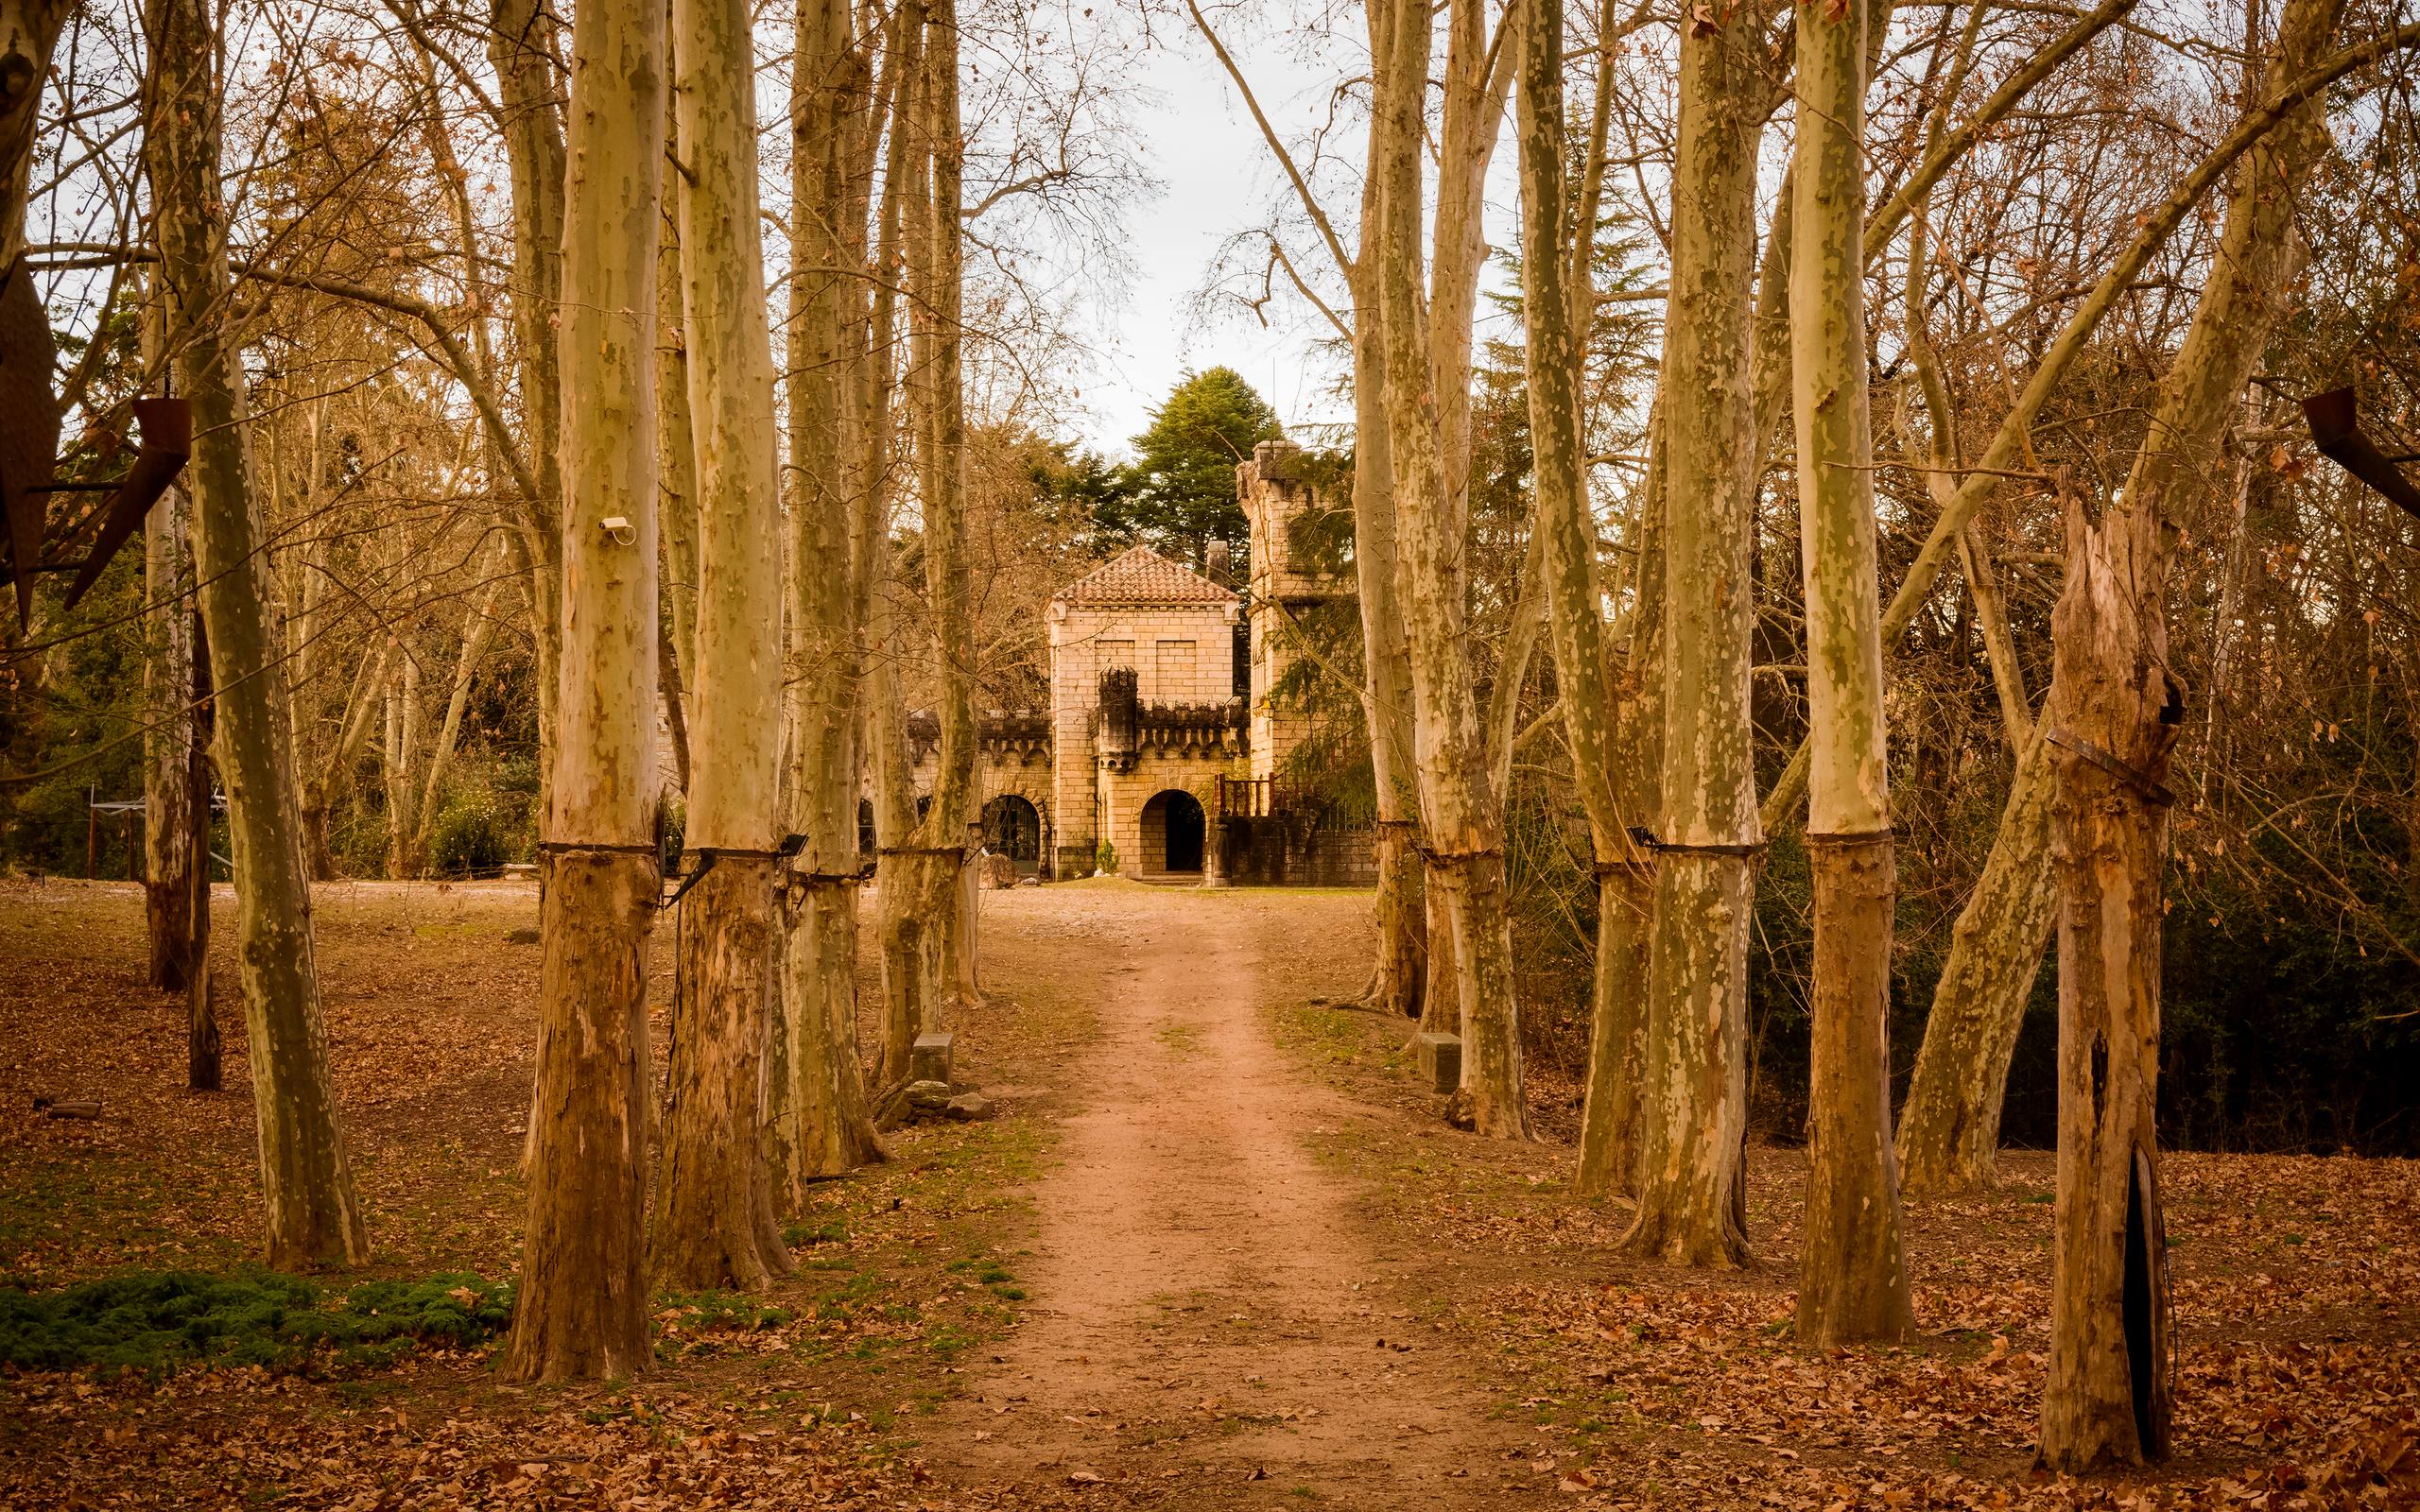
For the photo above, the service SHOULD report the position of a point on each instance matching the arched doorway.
(1012, 828)
(1173, 825)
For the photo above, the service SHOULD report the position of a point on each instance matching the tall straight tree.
(1852, 1280)
(713, 1222)
(1695, 1093)
(2114, 711)
(529, 87)
(1400, 970)
(314, 1218)
(168, 744)
(826, 1125)
(1398, 976)
(1557, 218)
(1427, 341)
(581, 1311)
(923, 917)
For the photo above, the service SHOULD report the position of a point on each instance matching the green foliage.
(1105, 859)
(468, 837)
(156, 1321)
(75, 714)
(1179, 493)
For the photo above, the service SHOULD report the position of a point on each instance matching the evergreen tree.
(1180, 491)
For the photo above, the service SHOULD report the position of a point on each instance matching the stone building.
(1159, 754)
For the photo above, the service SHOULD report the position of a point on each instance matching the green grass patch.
(153, 1322)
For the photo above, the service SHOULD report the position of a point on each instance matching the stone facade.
(1160, 693)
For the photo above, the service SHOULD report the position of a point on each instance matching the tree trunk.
(676, 653)
(922, 903)
(881, 713)
(1696, 1081)
(825, 1121)
(169, 844)
(2114, 712)
(714, 1213)
(581, 1311)
(1459, 809)
(1949, 1127)
(479, 631)
(403, 788)
(313, 1216)
(522, 48)
(1397, 984)
(1556, 309)
(28, 36)
(1852, 1277)
(203, 1071)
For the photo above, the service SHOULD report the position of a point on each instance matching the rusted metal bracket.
(2334, 428)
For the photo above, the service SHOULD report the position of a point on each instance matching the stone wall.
(1182, 654)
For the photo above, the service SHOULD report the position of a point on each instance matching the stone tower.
(1286, 580)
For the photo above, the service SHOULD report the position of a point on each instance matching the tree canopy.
(1179, 493)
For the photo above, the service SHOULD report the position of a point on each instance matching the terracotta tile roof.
(1141, 575)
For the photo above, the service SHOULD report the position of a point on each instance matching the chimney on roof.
(1218, 563)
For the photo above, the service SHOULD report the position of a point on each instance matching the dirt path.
(1208, 1325)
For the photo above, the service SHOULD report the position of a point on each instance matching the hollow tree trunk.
(169, 849)
(581, 1310)
(1852, 1277)
(826, 1122)
(714, 1224)
(1696, 1082)
(2114, 711)
(1460, 816)
(314, 1217)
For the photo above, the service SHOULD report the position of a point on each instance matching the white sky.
(1200, 141)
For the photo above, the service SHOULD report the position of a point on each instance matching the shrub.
(156, 1321)
(468, 837)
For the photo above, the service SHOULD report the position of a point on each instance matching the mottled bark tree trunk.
(30, 32)
(171, 848)
(1459, 809)
(402, 751)
(1950, 1128)
(204, 1070)
(1853, 1276)
(581, 1310)
(676, 438)
(715, 1223)
(2114, 711)
(1696, 1081)
(922, 903)
(1399, 977)
(826, 1122)
(1556, 311)
(529, 87)
(313, 1216)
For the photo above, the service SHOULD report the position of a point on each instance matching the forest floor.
(1218, 1251)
